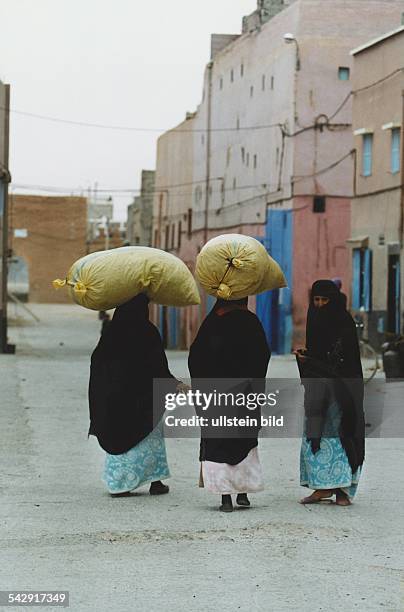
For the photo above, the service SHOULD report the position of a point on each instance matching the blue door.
(274, 308)
(210, 302)
(173, 327)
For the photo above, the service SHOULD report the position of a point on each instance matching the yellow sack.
(233, 266)
(106, 279)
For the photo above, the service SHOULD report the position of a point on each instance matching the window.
(189, 229)
(251, 91)
(362, 279)
(243, 154)
(319, 204)
(255, 161)
(367, 150)
(263, 82)
(395, 150)
(198, 194)
(172, 236)
(242, 70)
(221, 82)
(202, 139)
(272, 82)
(167, 237)
(179, 234)
(247, 159)
(232, 75)
(343, 73)
(234, 183)
(238, 123)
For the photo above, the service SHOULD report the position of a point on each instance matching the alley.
(61, 530)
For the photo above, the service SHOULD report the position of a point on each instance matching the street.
(60, 530)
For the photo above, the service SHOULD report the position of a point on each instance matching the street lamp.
(289, 39)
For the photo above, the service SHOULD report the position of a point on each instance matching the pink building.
(268, 152)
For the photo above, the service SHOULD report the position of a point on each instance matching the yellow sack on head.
(106, 279)
(233, 266)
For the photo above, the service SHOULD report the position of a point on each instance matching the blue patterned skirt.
(146, 462)
(329, 468)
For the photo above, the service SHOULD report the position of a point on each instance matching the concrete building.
(47, 234)
(140, 213)
(377, 209)
(173, 223)
(272, 145)
(5, 179)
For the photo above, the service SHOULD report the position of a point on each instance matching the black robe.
(128, 357)
(333, 368)
(230, 344)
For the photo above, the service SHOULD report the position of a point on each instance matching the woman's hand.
(300, 353)
(183, 387)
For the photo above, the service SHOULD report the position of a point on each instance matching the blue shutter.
(367, 280)
(356, 279)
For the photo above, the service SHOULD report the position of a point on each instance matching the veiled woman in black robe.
(231, 344)
(333, 447)
(128, 357)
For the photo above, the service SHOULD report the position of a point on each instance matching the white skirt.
(225, 479)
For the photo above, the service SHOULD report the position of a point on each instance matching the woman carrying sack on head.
(231, 345)
(333, 446)
(127, 358)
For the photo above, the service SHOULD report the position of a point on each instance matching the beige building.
(272, 148)
(377, 209)
(173, 222)
(140, 213)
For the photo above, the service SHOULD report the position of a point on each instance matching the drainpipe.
(208, 148)
(5, 179)
(401, 229)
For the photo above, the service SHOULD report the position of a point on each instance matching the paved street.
(61, 530)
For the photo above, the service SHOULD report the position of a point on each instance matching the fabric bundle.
(233, 266)
(107, 279)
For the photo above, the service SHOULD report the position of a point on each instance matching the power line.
(126, 128)
(378, 82)
(296, 179)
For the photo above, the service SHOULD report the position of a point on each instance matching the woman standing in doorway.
(333, 446)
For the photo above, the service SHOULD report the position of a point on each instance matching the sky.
(131, 63)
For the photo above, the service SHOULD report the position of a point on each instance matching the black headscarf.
(127, 358)
(230, 344)
(333, 356)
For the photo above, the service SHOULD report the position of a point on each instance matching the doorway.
(393, 295)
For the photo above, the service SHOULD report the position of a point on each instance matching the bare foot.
(342, 499)
(317, 496)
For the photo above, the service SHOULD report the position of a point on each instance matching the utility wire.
(126, 128)
(176, 130)
(296, 179)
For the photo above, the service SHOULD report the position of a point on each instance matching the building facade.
(377, 208)
(140, 213)
(46, 235)
(272, 148)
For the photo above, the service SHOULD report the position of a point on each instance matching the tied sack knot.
(236, 263)
(58, 283)
(79, 288)
(223, 291)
